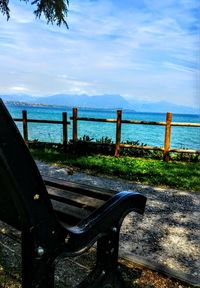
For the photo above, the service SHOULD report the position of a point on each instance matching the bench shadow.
(167, 234)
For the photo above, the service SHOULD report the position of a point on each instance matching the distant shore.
(26, 104)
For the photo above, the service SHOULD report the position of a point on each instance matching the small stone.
(36, 196)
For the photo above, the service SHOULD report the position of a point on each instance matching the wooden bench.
(58, 217)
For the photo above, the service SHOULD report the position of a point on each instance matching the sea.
(152, 135)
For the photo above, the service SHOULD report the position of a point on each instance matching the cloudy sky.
(140, 49)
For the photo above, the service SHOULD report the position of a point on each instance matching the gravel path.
(169, 232)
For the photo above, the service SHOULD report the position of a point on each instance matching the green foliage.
(134, 151)
(53, 11)
(185, 157)
(35, 144)
(181, 175)
(105, 146)
(106, 140)
(86, 138)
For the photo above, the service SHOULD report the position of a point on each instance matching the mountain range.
(101, 101)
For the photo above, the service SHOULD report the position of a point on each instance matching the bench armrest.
(110, 215)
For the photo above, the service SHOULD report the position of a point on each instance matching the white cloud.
(19, 89)
(145, 49)
(21, 13)
(180, 68)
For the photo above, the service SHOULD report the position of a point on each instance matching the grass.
(180, 175)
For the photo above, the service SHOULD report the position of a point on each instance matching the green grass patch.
(181, 175)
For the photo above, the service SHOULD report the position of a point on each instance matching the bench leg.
(106, 273)
(37, 271)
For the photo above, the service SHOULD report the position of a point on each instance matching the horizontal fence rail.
(63, 122)
(166, 149)
(40, 121)
(168, 124)
(95, 119)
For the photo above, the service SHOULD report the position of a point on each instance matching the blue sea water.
(153, 135)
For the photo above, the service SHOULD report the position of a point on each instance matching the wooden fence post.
(25, 126)
(75, 113)
(64, 120)
(167, 136)
(118, 132)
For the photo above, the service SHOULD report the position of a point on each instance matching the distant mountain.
(163, 107)
(102, 101)
(17, 98)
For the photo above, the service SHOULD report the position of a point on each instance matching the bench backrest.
(24, 201)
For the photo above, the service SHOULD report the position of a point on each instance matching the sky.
(146, 50)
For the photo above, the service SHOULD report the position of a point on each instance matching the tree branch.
(55, 11)
(4, 9)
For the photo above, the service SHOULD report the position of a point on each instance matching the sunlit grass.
(182, 175)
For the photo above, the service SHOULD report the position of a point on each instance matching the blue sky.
(140, 49)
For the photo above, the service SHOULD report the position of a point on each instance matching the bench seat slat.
(67, 212)
(74, 199)
(98, 193)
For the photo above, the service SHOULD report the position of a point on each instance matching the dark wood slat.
(68, 213)
(72, 198)
(98, 193)
(66, 201)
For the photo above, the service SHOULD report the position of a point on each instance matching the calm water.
(182, 137)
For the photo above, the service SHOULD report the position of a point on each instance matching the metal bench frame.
(26, 205)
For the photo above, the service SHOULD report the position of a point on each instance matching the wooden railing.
(168, 124)
(166, 149)
(63, 122)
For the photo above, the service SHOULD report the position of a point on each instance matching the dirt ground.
(168, 234)
(70, 271)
